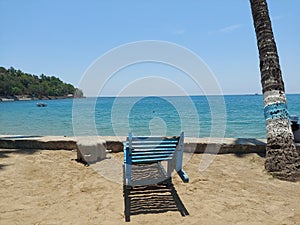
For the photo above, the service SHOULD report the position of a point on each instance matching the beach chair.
(151, 160)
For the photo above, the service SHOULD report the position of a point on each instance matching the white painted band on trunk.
(273, 97)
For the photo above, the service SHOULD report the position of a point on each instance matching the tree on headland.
(15, 82)
(282, 158)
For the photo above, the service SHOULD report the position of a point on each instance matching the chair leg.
(126, 190)
(168, 182)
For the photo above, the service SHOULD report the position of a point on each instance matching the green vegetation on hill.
(15, 82)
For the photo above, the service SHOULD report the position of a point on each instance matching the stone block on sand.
(90, 149)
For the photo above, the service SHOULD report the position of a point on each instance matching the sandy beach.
(50, 187)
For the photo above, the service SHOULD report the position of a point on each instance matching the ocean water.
(234, 116)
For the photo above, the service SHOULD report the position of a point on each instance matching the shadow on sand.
(4, 153)
(152, 199)
(254, 146)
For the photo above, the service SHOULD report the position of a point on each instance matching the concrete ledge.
(114, 143)
(37, 142)
(225, 145)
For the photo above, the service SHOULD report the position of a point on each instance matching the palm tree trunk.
(282, 158)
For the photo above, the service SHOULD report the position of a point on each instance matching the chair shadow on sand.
(158, 198)
(152, 199)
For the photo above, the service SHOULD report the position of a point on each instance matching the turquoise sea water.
(198, 116)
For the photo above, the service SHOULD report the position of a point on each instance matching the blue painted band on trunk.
(276, 111)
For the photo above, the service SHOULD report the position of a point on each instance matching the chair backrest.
(142, 149)
(148, 150)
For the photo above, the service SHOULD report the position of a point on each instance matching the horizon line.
(194, 95)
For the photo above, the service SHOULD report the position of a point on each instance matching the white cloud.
(230, 28)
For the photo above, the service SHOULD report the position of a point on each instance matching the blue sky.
(63, 38)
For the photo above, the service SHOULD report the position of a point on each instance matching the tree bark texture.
(282, 158)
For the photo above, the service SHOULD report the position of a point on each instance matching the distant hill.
(15, 83)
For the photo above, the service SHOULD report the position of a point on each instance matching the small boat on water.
(41, 104)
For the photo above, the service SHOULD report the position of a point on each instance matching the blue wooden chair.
(151, 160)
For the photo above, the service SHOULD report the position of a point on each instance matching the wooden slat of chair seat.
(162, 142)
(145, 144)
(154, 138)
(135, 146)
(153, 149)
(152, 152)
(161, 157)
(155, 141)
(151, 160)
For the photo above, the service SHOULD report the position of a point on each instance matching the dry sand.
(48, 187)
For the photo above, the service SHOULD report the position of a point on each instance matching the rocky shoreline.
(28, 98)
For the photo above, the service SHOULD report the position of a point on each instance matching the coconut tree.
(282, 158)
